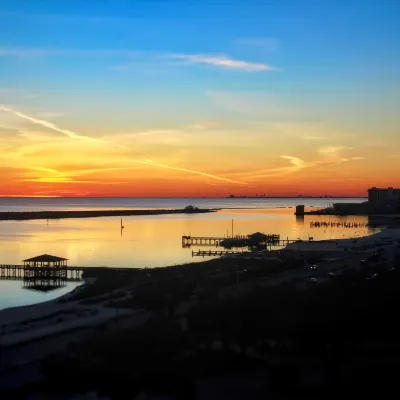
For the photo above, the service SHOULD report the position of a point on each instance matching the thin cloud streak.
(219, 178)
(296, 164)
(222, 62)
(67, 177)
(331, 156)
(54, 127)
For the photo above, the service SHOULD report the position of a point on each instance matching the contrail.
(54, 127)
(219, 178)
(76, 136)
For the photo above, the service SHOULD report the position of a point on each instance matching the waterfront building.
(378, 194)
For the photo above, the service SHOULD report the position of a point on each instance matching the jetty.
(29, 215)
(46, 272)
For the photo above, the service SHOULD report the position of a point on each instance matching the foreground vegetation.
(345, 333)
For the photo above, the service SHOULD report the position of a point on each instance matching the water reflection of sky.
(12, 294)
(149, 241)
(146, 241)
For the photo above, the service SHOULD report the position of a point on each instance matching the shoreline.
(14, 321)
(34, 215)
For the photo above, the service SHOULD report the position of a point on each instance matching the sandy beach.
(26, 323)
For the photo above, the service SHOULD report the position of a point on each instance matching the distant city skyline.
(199, 98)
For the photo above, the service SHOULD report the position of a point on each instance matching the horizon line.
(179, 197)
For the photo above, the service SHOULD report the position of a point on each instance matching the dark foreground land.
(339, 335)
(18, 216)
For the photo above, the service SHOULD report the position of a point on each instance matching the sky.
(199, 98)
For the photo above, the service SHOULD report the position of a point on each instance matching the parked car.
(314, 266)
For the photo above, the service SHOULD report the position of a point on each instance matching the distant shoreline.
(30, 215)
(174, 198)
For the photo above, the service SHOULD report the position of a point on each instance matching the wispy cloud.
(331, 155)
(334, 152)
(296, 164)
(221, 61)
(52, 126)
(52, 175)
(147, 59)
(215, 177)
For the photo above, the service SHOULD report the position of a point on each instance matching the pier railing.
(21, 272)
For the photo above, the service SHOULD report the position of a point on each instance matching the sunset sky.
(199, 98)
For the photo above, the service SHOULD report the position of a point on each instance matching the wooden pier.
(333, 224)
(213, 253)
(18, 272)
(188, 241)
(240, 254)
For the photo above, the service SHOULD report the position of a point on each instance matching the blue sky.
(337, 48)
(331, 67)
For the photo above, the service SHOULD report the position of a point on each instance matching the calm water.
(146, 241)
(39, 204)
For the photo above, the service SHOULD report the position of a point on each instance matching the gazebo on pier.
(45, 272)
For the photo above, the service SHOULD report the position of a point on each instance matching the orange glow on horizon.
(189, 162)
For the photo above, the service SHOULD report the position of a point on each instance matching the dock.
(240, 254)
(333, 224)
(213, 253)
(188, 241)
(17, 272)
